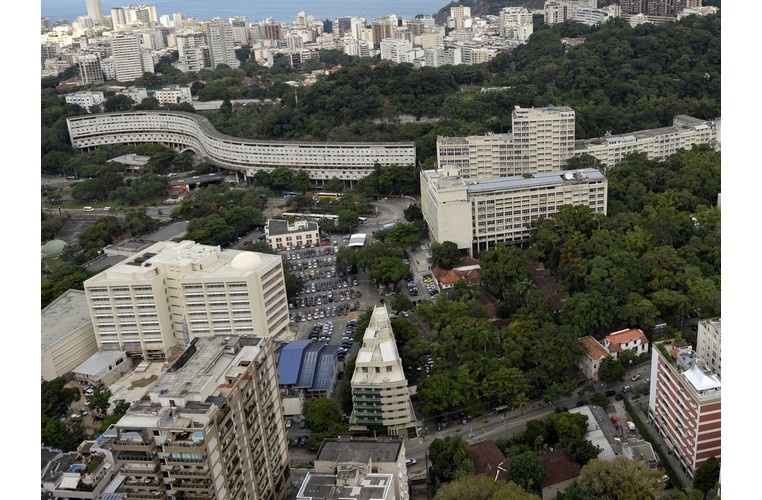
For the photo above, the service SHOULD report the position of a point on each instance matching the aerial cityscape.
(457, 251)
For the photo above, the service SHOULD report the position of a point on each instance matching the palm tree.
(522, 403)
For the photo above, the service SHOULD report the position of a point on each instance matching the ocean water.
(255, 10)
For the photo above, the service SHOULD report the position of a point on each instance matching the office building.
(219, 35)
(212, 426)
(284, 235)
(90, 69)
(380, 393)
(685, 403)
(657, 143)
(709, 345)
(542, 139)
(357, 468)
(479, 214)
(95, 10)
(67, 334)
(127, 54)
(170, 293)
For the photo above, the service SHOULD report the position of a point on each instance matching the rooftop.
(519, 182)
(278, 226)
(67, 313)
(98, 361)
(489, 460)
(325, 486)
(593, 348)
(359, 450)
(378, 348)
(559, 467)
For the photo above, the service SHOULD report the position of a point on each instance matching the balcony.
(190, 472)
(148, 483)
(130, 456)
(134, 445)
(175, 460)
(130, 494)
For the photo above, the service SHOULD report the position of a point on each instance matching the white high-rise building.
(542, 140)
(172, 292)
(479, 214)
(516, 23)
(379, 388)
(219, 35)
(241, 32)
(392, 50)
(709, 345)
(129, 61)
(95, 10)
(122, 17)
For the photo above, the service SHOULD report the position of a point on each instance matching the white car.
(631, 426)
(410, 461)
(289, 423)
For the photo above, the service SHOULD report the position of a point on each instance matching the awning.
(69, 483)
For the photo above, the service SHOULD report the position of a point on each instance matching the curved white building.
(348, 161)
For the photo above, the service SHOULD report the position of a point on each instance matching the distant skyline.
(255, 10)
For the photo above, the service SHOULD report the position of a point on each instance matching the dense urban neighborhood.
(472, 254)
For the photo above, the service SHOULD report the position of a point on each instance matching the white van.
(88, 209)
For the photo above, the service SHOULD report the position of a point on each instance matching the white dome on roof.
(246, 261)
(53, 248)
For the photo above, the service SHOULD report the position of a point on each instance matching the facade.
(95, 10)
(685, 404)
(380, 393)
(282, 234)
(170, 293)
(656, 143)
(173, 95)
(590, 362)
(708, 344)
(67, 334)
(90, 69)
(88, 475)
(394, 49)
(516, 23)
(122, 17)
(213, 426)
(85, 99)
(479, 214)
(102, 368)
(631, 339)
(221, 43)
(358, 468)
(542, 139)
(128, 58)
(348, 161)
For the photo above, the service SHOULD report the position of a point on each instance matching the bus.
(328, 196)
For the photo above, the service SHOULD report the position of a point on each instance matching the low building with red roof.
(595, 353)
(489, 460)
(560, 471)
(631, 339)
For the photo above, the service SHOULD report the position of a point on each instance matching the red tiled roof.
(559, 467)
(623, 336)
(593, 348)
(487, 457)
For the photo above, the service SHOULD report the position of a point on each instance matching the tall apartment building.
(192, 51)
(383, 28)
(516, 23)
(90, 69)
(460, 17)
(380, 393)
(479, 214)
(173, 95)
(542, 140)
(172, 292)
(708, 344)
(219, 35)
(122, 17)
(394, 50)
(213, 427)
(95, 10)
(685, 404)
(127, 54)
(241, 33)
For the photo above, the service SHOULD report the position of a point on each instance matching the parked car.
(635, 377)
(631, 426)
(410, 461)
(610, 393)
(289, 423)
(619, 396)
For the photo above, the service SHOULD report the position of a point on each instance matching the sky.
(741, 178)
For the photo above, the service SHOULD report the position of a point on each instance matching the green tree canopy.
(321, 414)
(707, 476)
(527, 471)
(619, 479)
(482, 487)
(445, 254)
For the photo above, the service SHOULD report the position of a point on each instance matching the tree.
(707, 476)
(401, 302)
(321, 414)
(118, 102)
(527, 471)
(582, 450)
(388, 270)
(449, 456)
(610, 371)
(99, 400)
(445, 254)
(501, 267)
(413, 212)
(619, 479)
(347, 221)
(482, 487)
(56, 397)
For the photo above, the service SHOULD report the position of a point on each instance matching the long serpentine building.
(347, 161)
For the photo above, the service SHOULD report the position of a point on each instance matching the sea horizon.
(284, 11)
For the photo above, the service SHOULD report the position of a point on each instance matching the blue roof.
(290, 361)
(324, 373)
(307, 373)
